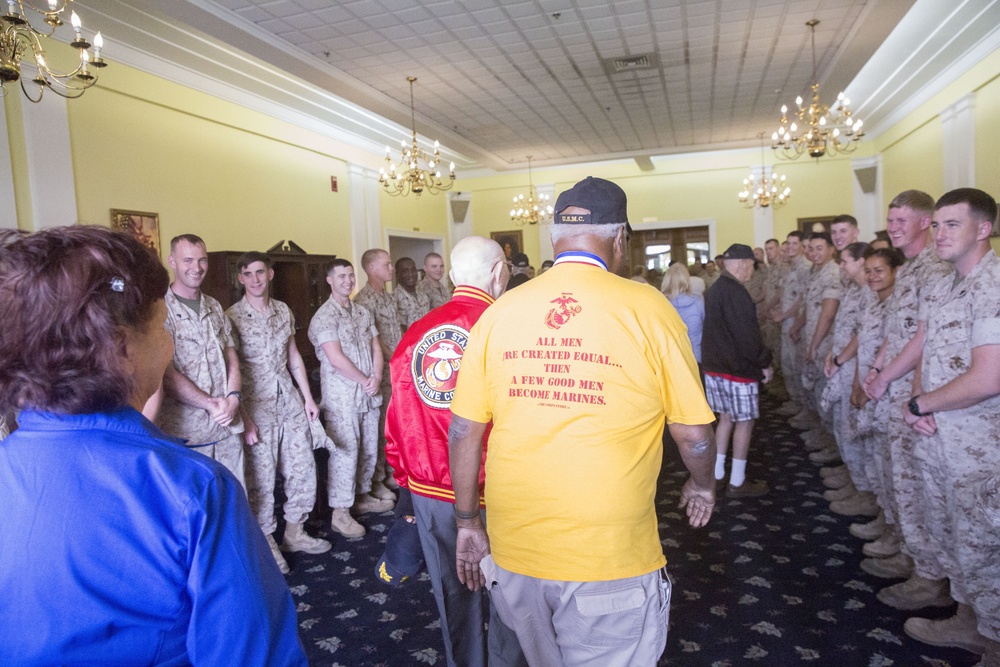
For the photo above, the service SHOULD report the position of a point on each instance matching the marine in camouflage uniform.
(906, 500)
(793, 290)
(350, 412)
(961, 314)
(382, 306)
(875, 474)
(770, 329)
(276, 407)
(837, 392)
(200, 342)
(411, 306)
(824, 283)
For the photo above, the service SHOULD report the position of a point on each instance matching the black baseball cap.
(739, 251)
(605, 200)
(520, 260)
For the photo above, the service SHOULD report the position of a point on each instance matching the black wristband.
(835, 362)
(915, 408)
(459, 514)
(238, 395)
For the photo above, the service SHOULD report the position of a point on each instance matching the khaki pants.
(619, 623)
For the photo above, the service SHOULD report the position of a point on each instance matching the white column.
(763, 217)
(366, 219)
(958, 143)
(867, 192)
(50, 160)
(8, 206)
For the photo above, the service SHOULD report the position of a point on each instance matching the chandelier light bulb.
(74, 21)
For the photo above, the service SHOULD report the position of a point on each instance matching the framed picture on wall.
(809, 225)
(512, 242)
(144, 226)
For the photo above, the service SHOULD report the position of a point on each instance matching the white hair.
(558, 232)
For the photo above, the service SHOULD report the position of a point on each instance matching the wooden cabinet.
(299, 281)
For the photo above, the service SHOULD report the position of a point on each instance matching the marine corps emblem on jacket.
(436, 361)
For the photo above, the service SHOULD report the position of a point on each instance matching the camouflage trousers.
(228, 452)
(352, 459)
(876, 469)
(791, 367)
(849, 444)
(908, 461)
(285, 446)
(958, 459)
(382, 469)
(771, 331)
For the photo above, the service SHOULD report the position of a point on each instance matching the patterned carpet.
(771, 581)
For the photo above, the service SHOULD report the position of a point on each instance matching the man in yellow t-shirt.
(578, 370)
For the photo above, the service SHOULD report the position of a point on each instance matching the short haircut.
(369, 256)
(339, 261)
(70, 296)
(775, 241)
(856, 250)
(718, 257)
(982, 206)
(193, 239)
(825, 236)
(248, 258)
(547, 263)
(404, 259)
(915, 200)
(432, 254)
(797, 234)
(563, 231)
(892, 256)
(844, 217)
(882, 235)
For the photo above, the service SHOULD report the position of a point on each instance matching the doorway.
(414, 245)
(656, 249)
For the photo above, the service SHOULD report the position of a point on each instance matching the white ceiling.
(499, 80)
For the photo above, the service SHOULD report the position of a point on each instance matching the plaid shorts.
(737, 399)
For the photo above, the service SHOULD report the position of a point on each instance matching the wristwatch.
(238, 395)
(914, 408)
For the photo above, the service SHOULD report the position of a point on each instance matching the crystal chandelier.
(532, 209)
(18, 38)
(823, 130)
(763, 192)
(412, 178)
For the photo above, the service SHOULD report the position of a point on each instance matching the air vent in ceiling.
(631, 63)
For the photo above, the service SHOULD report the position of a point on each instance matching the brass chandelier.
(820, 130)
(411, 177)
(532, 209)
(763, 192)
(19, 39)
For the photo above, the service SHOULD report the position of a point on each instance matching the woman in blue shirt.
(120, 546)
(691, 307)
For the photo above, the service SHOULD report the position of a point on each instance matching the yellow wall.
(988, 136)
(426, 213)
(914, 163)
(239, 179)
(693, 187)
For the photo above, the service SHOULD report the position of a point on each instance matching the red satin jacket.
(424, 371)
